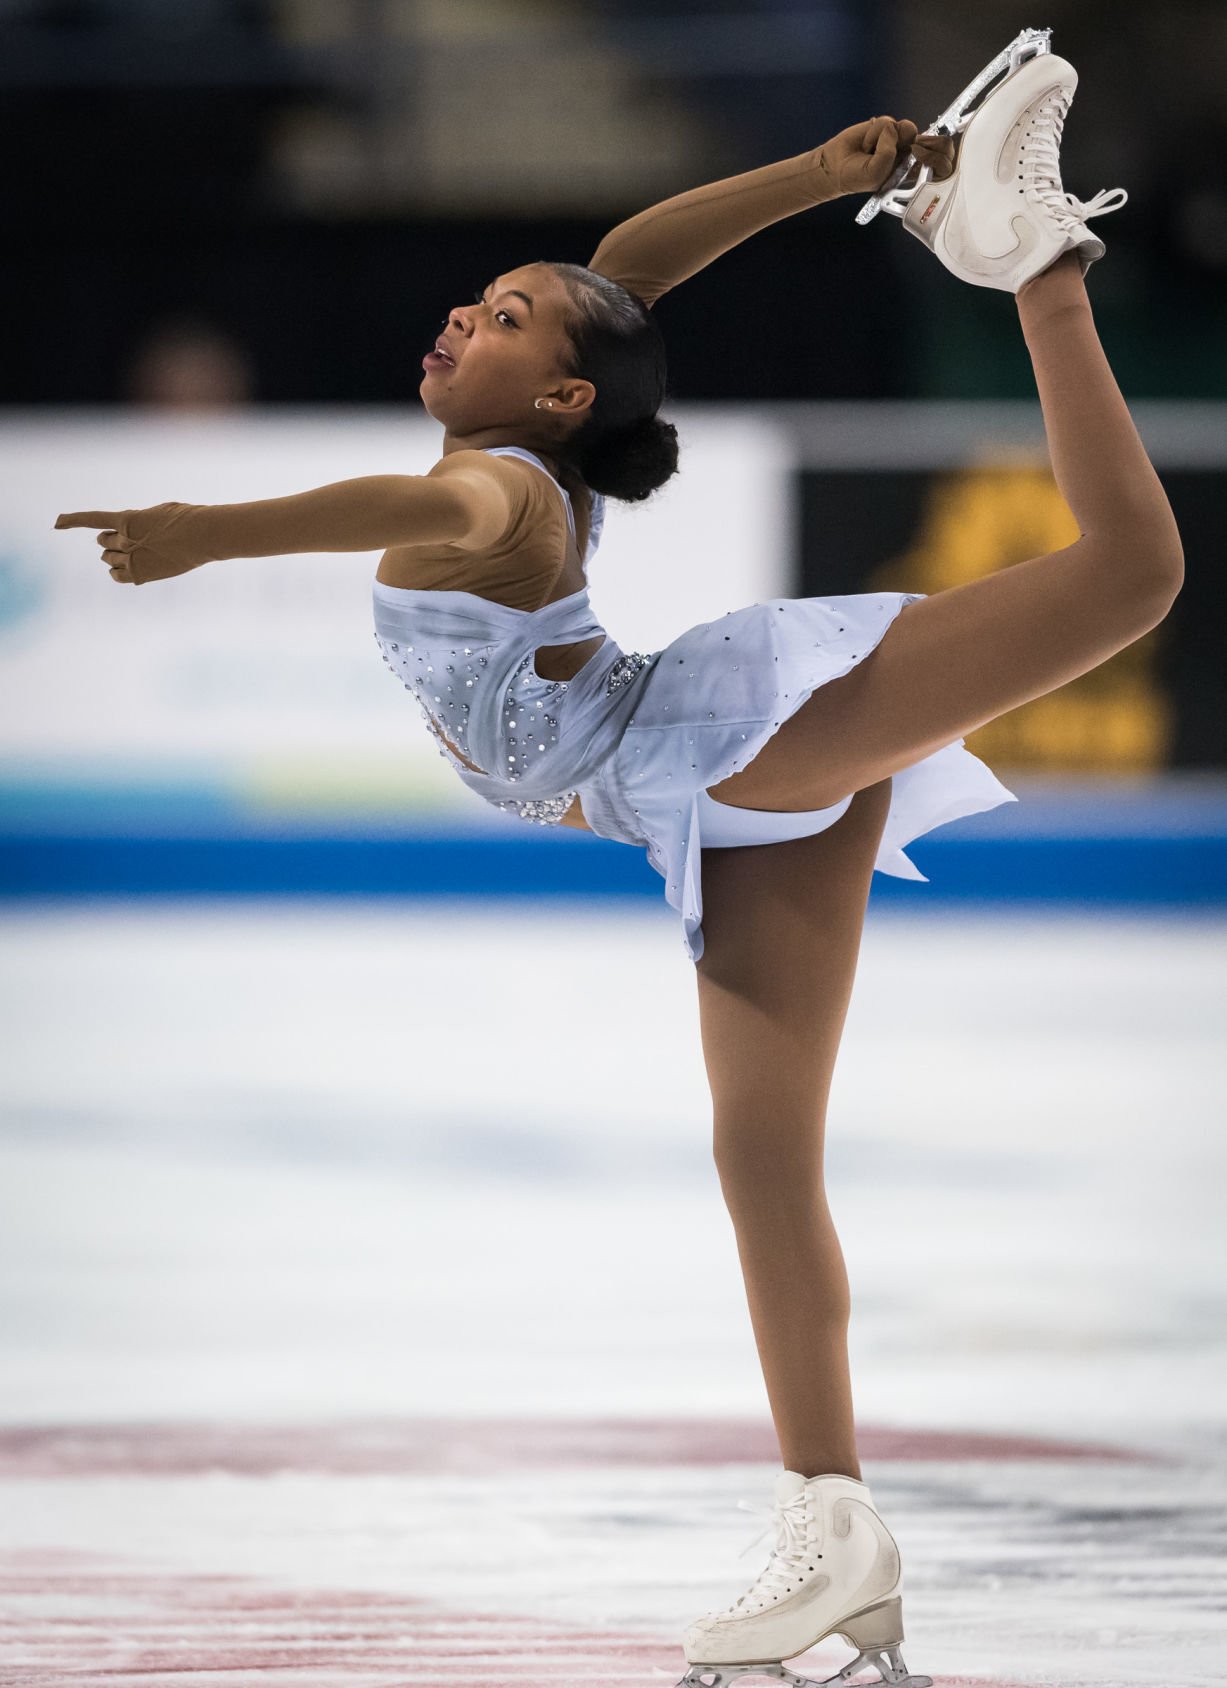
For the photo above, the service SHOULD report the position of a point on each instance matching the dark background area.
(318, 182)
(289, 194)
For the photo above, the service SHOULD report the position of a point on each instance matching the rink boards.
(233, 730)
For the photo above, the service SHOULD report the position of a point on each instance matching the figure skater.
(767, 761)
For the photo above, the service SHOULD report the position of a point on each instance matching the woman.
(823, 733)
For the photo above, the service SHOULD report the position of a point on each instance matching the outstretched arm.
(672, 241)
(460, 502)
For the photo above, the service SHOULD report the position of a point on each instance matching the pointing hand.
(142, 545)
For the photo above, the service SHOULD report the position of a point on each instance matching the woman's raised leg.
(782, 929)
(959, 658)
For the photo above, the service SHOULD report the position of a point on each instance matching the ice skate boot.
(1003, 215)
(835, 1570)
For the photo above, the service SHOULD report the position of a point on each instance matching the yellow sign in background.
(983, 518)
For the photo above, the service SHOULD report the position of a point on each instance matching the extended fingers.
(114, 541)
(89, 518)
(118, 548)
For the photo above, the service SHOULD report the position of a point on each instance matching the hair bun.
(631, 462)
(623, 449)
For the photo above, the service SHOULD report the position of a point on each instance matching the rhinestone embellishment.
(547, 811)
(515, 716)
(420, 679)
(530, 710)
(625, 669)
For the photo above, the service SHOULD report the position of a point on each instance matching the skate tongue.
(788, 1484)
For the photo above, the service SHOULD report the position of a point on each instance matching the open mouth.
(439, 358)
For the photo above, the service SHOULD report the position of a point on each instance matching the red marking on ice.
(85, 1620)
(388, 1447)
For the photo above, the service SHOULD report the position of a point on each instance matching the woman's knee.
(778, 1161)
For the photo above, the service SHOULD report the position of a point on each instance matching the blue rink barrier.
(1160, 846)
(1157, 872)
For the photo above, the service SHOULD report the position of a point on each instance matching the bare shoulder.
(512, 518)
(512, 494)
(455, 461)
(510, 473)
(515, 473)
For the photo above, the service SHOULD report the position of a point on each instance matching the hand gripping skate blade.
(892, 197)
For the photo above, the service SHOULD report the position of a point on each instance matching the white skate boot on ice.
(1003, 216)
(835, 1570)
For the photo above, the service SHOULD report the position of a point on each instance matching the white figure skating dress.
(639, 738)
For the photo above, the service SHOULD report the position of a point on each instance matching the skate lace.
(1041, 154)
(792, 1554)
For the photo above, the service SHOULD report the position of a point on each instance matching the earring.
(548, 403)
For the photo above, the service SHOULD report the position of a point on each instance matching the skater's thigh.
(782, 928)
(947, 664)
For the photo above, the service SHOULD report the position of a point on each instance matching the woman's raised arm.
(458, 503)
(671, 241)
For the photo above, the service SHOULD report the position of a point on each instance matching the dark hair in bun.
(623, 450)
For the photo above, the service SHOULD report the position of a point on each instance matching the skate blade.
(891, 1671)
(893, 197)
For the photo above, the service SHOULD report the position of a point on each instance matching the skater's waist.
(536, 738)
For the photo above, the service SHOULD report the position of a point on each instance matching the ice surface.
(323, 1167)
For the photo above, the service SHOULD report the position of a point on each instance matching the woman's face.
(506, 351)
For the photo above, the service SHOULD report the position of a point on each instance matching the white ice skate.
(1003, 216)
(835, 1570)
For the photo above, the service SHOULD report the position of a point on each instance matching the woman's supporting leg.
(782, 929)
(963, 657)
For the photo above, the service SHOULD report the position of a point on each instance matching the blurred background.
(234, 224)
(283, 1139)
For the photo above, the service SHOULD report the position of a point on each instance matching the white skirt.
(706, 707)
